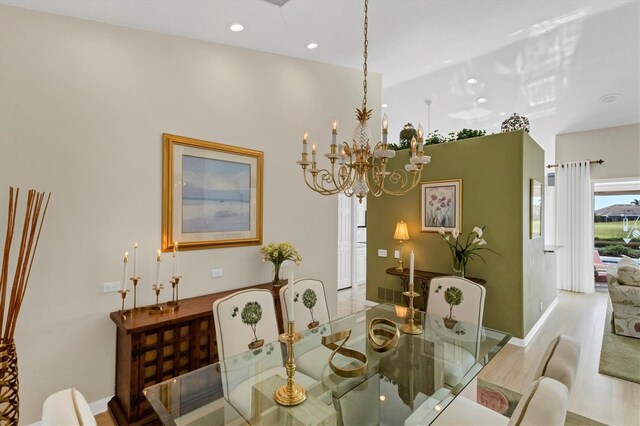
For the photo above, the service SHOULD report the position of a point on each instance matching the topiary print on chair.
(251, 315)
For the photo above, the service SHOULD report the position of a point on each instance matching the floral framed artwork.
(212, 194)
(441, 205)
(535, 210)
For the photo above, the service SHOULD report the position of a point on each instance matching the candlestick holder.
(411, 327)
(123, 294)
(156, 309)
(175, 280)
(291, 393)
(135, 280)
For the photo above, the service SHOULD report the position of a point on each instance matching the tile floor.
(351, 300)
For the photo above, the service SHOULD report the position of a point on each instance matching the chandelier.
(357, 169)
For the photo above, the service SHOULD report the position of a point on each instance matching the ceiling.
(550, 60)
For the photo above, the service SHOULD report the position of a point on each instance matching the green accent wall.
(495, 172)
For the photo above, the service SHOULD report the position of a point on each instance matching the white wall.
(82, 110)
(619, 147)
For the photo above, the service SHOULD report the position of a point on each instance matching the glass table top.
(409, 384)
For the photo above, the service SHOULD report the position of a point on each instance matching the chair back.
(310, 303)
(67, 407)
(242, 318)
(471, 308)
(544, 403)
(560, 361)
(596, 258)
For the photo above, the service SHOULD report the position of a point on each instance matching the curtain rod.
(590, 162)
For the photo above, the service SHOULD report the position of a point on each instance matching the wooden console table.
(422, 279)
(154, 348)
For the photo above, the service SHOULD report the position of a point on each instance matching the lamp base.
(290, 397)
(400, 266)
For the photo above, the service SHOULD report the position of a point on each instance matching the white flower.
(455, 234)
(441, 230)
(447, 237)
(482, 242)
(475, 240)
(478, 231)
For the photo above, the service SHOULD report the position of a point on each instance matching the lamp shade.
(402, 233)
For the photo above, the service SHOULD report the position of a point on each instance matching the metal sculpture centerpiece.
(360, 168)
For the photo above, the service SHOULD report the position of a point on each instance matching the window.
(616, 224)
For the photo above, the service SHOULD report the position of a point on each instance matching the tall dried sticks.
(33, 219)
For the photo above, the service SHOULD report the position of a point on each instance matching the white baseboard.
(99, 406)
(524, 342)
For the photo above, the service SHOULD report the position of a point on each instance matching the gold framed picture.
(211, 194)
(441, 205)
(535, 210)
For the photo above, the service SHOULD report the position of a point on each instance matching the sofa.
(623, 281)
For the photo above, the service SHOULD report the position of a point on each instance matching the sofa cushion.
(560, 361)
(544, 403)
(628, 272)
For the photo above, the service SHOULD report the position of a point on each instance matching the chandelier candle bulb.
(291, 309)
(420, 140)
(124, 272)
(385, 128)
(304, 143)
(313, 154)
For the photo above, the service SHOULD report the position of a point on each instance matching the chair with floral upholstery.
(623, 281)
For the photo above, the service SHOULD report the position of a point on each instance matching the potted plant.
(309, 300)
(453, 296)
(251, 315)
(461, 253)
(277, 254)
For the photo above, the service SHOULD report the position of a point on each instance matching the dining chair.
(459, 358)
(310, 304)
(560, 361)
(238, 334)
(544, 403)
(67, 407)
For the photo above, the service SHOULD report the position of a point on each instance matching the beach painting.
(215, 195)
(212, 194)
(441, 205)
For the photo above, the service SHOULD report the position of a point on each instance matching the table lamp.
(401, 234)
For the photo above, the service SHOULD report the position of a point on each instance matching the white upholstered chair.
(560, 361)
(234, 337)
(458, 359)
(544, 403)
(67, 407)
(305, 316)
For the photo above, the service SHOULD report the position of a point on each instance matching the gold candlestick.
(290, 393)
(135, 291)
(157, 308)
(411, 327)
(123, 294)
(174, 291)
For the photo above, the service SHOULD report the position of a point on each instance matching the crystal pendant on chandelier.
(362, 136)
(360, 168)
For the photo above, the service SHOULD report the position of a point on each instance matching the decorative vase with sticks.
(11, 303)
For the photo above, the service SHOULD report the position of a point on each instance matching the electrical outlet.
(216, 273)
(111, 287)
(396, 254)
(382, 253)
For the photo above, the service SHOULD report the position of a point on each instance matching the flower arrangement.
(461, 253)
(277, 254)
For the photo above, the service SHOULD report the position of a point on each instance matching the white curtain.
(574, 227)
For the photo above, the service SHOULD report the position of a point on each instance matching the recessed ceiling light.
(312, 45)
(236, 27)
(481, 100)
(382, 397)
(472, 80)
(447, 61)
(384, 105)
(610, 98)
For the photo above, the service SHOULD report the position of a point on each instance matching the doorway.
(352, 242)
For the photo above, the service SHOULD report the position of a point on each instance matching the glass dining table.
(409, 384)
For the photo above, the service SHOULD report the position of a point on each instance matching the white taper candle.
(124, 272)
(135, 259)
(291, 290)
(411, 268)
(158, 259)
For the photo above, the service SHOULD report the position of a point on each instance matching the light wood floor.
(594, 395)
